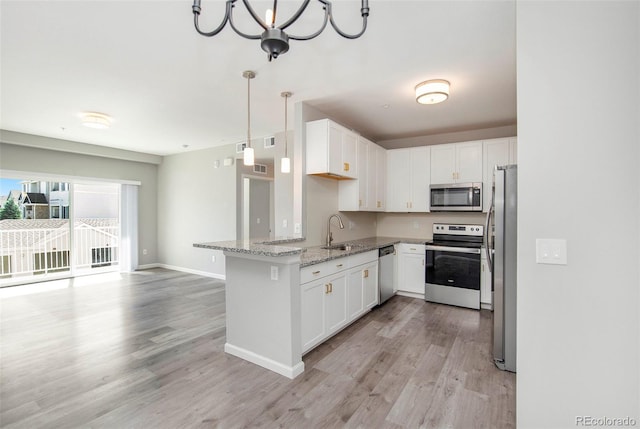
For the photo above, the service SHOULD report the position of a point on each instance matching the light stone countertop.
(310, 255)
(262, 247)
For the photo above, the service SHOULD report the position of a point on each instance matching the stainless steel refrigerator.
(501, 246)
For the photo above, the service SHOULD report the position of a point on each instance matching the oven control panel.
(452, 229)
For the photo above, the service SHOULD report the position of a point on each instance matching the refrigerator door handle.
(487, 247)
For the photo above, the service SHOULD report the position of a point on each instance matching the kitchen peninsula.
(264, 294)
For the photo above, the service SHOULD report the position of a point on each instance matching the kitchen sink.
(345, 246)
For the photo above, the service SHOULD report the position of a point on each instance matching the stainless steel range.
(452, 268)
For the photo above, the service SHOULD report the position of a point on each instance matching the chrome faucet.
(329, 235)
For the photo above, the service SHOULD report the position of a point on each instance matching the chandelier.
(274, 40)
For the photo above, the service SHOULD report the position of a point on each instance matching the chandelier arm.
(196, 13)
(254, 15)
(296, 15)
(240, 33)
(317, 33)
(364, 10)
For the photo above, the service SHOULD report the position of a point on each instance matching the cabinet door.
(381, 178)
(370, 292)
(312, 313)
(334, 154)
(420, 179)
(411, 272)
(443, 163)
(363, 174)
(335, 302)
(349, 166)
(355, 297)
(469, 162)
(496, 152)
(398, 180)
(372, 175)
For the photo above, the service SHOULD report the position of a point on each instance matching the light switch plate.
(551, 251)
(274, 272)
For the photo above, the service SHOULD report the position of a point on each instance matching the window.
(5, 266)
(51, 261)
(101, 257)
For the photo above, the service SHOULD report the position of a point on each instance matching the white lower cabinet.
(312, 314)
(370, 290)
(335, 303)
(411, 269)
(355, 293)
(348, 290)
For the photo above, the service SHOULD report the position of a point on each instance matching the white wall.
(30, 157)
(196, 203)
(578, 156)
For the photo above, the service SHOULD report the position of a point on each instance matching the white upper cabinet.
(496, 152)
(380, 202)
(456, 163)
(331, 150)
(368, 191)
(408, 179)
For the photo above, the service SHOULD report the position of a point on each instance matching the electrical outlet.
(213, 258)
(297, 228)
(351, 225)
(274, 272)
(416, 225)
(284, 223)
(144, 251)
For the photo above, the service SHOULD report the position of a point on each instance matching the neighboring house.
(43, 245)
(34, 205)
(57, 196)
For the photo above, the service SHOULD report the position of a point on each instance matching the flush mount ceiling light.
(95, 120)
(248, 155)
(432, 91)
(274, 41)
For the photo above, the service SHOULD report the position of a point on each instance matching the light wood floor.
(147, 352)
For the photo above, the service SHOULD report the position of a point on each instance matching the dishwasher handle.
(384, 251)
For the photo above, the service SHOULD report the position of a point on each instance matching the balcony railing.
(40, 251)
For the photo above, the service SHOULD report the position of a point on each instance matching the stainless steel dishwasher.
(385, 272)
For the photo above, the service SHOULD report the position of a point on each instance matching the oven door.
(452, 275)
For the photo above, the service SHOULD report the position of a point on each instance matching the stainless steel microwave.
(456, 197)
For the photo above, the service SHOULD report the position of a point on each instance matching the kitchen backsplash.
(420, 225)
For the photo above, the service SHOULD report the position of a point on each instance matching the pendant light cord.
(286, 99)
(249, 110)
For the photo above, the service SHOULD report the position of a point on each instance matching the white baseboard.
(410, 294)
(147, 266)
(265, 362)
(184, 270)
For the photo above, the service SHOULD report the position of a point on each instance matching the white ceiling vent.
(269, 142)
(260, 168)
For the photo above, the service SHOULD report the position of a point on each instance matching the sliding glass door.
(56, 229)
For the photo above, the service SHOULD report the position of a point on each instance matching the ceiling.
(169, 89)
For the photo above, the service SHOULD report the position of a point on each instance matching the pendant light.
(249, 157)
(285, 164)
